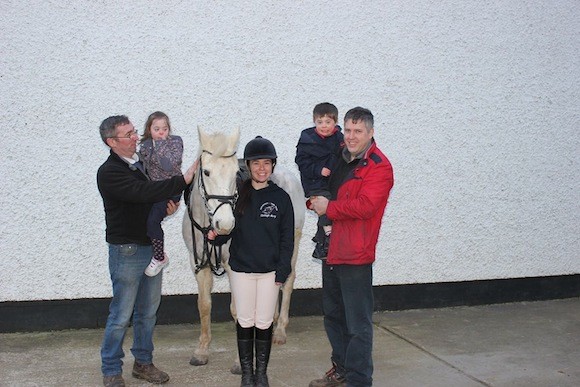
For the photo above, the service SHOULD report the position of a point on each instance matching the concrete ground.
(520, 344)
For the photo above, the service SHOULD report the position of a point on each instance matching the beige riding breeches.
(255, 296)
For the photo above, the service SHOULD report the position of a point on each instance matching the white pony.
(210, 205)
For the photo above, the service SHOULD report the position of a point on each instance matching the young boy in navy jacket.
(316, 153)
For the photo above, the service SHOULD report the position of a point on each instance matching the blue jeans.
(348, 303)
(134, 294)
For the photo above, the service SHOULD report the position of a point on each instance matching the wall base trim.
(27, 316)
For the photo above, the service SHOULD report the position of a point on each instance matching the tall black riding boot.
(246, 353)
(263, 348)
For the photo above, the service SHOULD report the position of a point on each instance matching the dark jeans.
(156, 215)
(348, 303)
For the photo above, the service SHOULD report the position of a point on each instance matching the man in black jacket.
(128, 195)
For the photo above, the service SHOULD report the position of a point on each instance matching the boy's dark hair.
(108, 126)
(325, 109)
(359, 113)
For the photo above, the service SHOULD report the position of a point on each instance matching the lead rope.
(209, 249)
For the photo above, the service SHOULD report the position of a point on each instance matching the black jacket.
(127, 197)
(263, 239)
(313, 153)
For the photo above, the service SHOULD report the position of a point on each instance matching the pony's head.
(216, 177)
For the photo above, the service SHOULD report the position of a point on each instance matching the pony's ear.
(234, 140)
(202, 136)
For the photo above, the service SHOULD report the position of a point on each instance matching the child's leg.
(323, 220)
(155, 232)
(154, 229)
(323, 240)
(158, 249)
(324, 227)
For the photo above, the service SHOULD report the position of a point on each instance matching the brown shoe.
(149, 373)
(331, 379)
(113, 381)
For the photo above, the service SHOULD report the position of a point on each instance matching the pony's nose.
(223, 228)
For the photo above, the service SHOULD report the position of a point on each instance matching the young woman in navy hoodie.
(260, 254)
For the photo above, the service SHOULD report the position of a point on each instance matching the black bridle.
(210, 248)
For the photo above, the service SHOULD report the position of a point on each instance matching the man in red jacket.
(359, 187)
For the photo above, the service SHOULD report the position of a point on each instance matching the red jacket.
(358, 210)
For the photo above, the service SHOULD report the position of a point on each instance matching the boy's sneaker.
(318, 252)
(331, 379)
(155, 266)
(321, 249)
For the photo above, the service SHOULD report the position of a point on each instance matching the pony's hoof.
(279, 339)
(198, 362)
(236, 369)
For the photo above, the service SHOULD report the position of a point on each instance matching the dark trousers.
(156, 215)
(322, 219)
(348, 303)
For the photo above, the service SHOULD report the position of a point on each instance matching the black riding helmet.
(260, 148)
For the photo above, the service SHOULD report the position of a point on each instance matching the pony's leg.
(235, 368)
(204, 283)
(279, 336)
(228, 269)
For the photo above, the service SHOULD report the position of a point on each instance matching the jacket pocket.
(165, 163)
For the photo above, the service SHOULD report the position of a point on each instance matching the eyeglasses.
(128, 135)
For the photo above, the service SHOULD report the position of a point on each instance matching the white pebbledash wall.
(476, 105)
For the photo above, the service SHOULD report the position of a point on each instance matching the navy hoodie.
(263, 239)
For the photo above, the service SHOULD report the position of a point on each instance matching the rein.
(210, 248)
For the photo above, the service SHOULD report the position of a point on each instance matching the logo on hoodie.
(268, 210)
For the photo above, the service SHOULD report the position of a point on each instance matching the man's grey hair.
(359, 113)
(108, 126)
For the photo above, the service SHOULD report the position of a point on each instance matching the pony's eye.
(206, 172)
